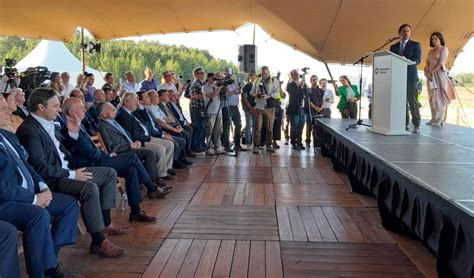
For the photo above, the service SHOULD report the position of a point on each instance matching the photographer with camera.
(212, 99)
(297, 108)
(230, 112)
(265, 90)
(10, 78)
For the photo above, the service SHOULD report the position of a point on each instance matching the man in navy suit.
(9, 266)
(412, 51)
(27, 203)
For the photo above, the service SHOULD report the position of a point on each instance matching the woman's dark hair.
(40, 96)
(345, 78)
(440, 37)
(403, 26)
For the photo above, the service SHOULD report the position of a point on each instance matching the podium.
(389, 95)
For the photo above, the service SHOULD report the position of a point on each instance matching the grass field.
(456, 114)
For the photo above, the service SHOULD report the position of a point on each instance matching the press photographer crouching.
(212, 98)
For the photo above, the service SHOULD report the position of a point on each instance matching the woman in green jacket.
(348, 96)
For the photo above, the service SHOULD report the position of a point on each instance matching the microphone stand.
(361, 61)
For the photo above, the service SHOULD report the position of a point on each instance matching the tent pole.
(83, 51)
(330, 75)
(254, 33)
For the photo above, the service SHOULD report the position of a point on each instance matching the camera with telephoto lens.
(223, 82)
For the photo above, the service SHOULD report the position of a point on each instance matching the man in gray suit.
(94, 187)
(118, 140)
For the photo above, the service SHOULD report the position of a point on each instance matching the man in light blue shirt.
(130, 86)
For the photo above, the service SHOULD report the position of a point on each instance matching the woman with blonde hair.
(56, 83)
(440, 88)
(348, 97)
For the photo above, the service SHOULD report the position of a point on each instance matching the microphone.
(394, 38)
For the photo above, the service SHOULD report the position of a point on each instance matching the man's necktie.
(402, 47)
(13, 157)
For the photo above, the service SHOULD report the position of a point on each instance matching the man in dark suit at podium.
(412, 51)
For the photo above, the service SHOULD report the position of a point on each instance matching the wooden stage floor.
(286, 214)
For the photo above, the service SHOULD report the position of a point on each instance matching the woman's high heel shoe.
(438, 123)
(431, 122)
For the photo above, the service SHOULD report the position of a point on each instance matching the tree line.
(119, 56)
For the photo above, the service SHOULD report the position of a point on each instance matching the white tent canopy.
(56, 57)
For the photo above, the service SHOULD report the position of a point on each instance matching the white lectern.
(389, 93)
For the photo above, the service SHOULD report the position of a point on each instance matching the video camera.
(33, 78)
(305, 72)
(223, 82)
(9, 70)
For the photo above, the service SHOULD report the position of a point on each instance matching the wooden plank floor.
(282, 215)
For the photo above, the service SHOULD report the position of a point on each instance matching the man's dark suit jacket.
(176, 114)
(113, 139)
(10, 189)
(93, 112)
(83, 149)
(130, 124)
(19, 112)
(412, 52)
(143, 116)
(43, 155)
